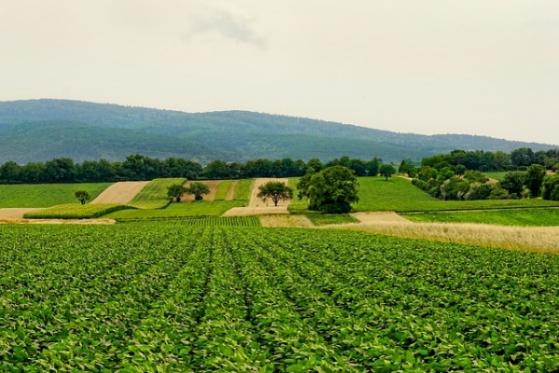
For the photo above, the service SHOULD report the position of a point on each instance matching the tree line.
(518, 160)
(140, 167)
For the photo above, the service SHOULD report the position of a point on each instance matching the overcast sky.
(432, 66)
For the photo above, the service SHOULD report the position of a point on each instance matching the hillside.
(37, 130)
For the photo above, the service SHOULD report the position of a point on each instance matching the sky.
(485, 67)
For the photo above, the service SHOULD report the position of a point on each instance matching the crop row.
(173, 297)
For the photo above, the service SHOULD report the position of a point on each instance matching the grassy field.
(75, 211)
(168, 296)
(45, 195)
(177, 210)
(398, 194)
(324, 219)
(222, 189)
(523, 217)
(243, 190)
(154, 194)
(497, 175)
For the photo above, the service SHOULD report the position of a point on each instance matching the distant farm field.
(176, 210)
(154, 194)
(157, 296)
(523, 217)
(398, 194)
(45, 195)
(74, 211)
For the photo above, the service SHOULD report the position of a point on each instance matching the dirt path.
(14, 213)
(258, 207)
(120, 193)
(211, 184)
(379, 217)
(286, 221)
(231, 191)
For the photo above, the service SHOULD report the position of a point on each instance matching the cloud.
(226, 24)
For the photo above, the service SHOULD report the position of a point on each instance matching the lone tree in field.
(175, 192)
(82, 196)
(387, 170)
(199, 190)
(332, 190)
(276, 191)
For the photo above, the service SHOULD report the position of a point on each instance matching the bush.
(476, 176)
(551, 188)
(478, 191)
(513, 182)
(498, 192)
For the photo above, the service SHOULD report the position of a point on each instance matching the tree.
(513, 182)
(333, 190)
(534, 179)
(522, 157)
(551, 188)
(387, 170)
(199, 190)
(175, 192)
(373, 167)
(276, 191)
(82, 196)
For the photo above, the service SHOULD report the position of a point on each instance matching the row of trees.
(139, 167)
(455, 183)
(519, 159)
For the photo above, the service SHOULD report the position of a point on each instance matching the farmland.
(154, 194)
(74, 211)
(522, 217)
(147, 296)
(398, 194)
(45, 195)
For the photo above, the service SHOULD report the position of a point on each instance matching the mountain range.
(39, 130)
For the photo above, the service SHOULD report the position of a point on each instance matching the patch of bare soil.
(285, 221)
(211, 184)
(255, 211)
(231, 191)
(379, 217)
(120, 193)
(14, 213)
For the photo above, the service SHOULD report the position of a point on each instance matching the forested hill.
(38, 130)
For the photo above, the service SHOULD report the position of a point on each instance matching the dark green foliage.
(534, 179)
(175, 192)
(386, 171)
(82, 196)
(332, 190)
(198, 190)
(276, 191)
(513, 182)
(551, 188)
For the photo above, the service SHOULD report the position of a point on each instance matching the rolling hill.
(38, 130)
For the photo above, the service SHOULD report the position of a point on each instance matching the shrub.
(551, 188)
(478, 191)
(513, 182)
(498, 192)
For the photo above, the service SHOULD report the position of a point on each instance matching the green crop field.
(324, 219)
(177, 210)
(75, 211)
(164, 296)
(243, 190)
(45, 195)
(154, 194)
(222, 189)
(525, 217)
(398, 194)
